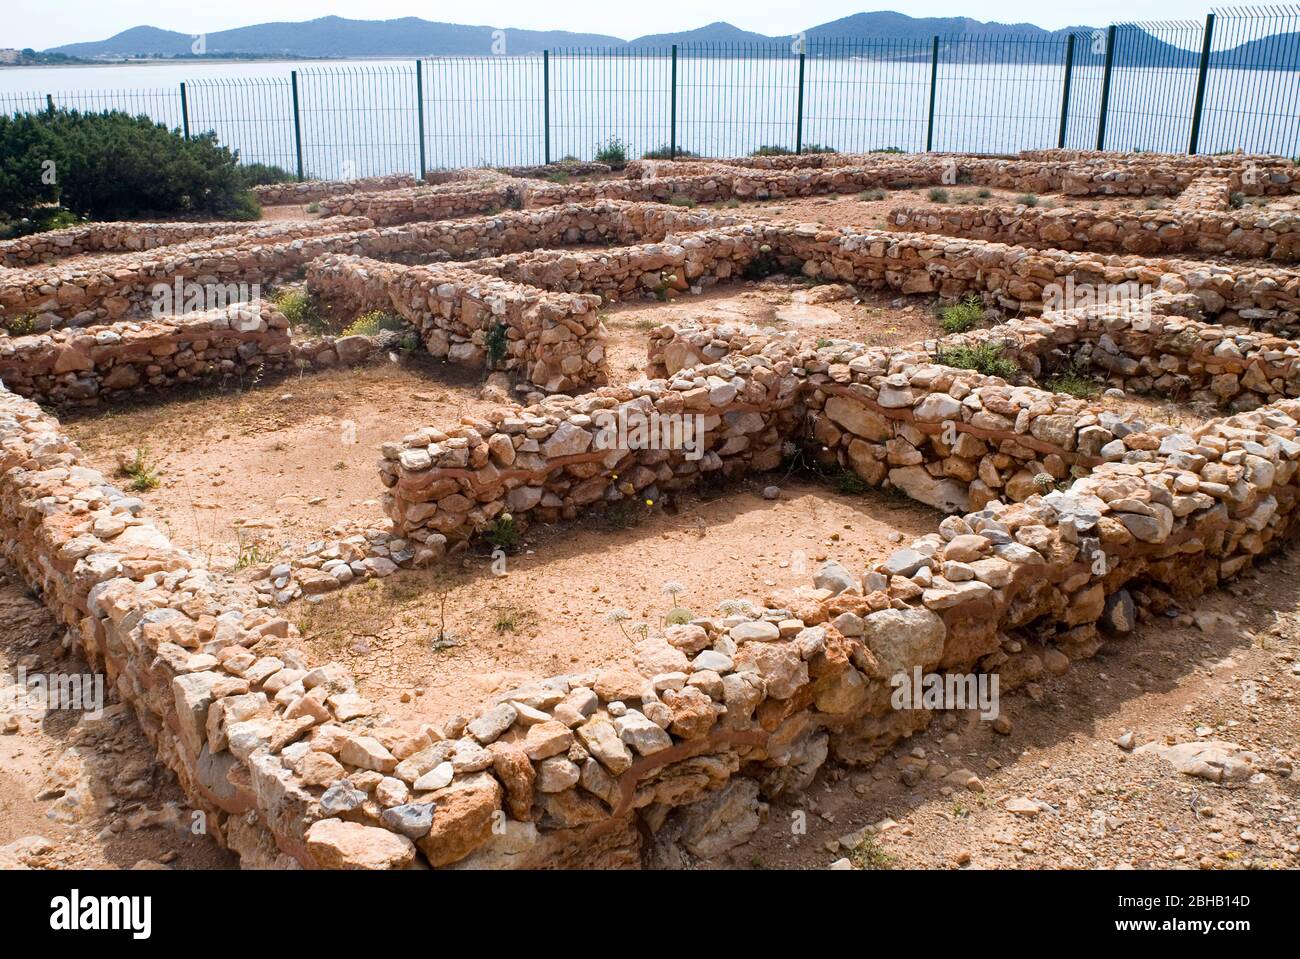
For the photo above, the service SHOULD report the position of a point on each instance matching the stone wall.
(127, 237)
(112, 287)
(310, 191)
(665, 268)
(546, 463)
(429, 202)
(553, 340)
(1145, 346)
(85, 365)
(1257, 234)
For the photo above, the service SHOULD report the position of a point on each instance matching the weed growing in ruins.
(736, 607)
(374, 323)
(504, 533)
(298, 310)
(1027, 199)
(512, 619)
(771, 150)
(963, 316)
(559, 176)
(665, 152)
(986, 358)
(866, 196)
(612, 152)
(313, 207)
(938, 194)
(682, 201)
(496, 344)
(868, 854)
(1237, 200)
(1073, 382)
(141, 471)
(22, 325)
(249, 553)
(984, 194)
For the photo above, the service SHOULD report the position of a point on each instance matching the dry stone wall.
(82, 366)
(490, 191)
(553, 340)
(112, 287)
(552, 461)
(128, 237)
(309, 191)
(1255, 234)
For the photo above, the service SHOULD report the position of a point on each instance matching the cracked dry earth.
(79, 792)
(1073, 779)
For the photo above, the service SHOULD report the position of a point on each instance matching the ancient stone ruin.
(1064, 520)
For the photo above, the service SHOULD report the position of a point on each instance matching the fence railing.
(1231, 82)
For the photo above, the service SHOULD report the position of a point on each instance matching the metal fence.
(1231, 82)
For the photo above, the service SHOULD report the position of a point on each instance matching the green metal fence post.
(49, 102)
(934, 89)
(672, 119)
(419, 111)
(798, 122)
(185, 112)
(1201, 77)
(1065, 91)
(297, 122)
(546, 105)
(1106, 73)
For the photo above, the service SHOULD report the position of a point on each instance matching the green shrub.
(866, 196)
(962, 317)
(772, 151)
(504, 532)
(1237, 200)
(1073, 382)
(665, 152)
(613, 152)
(818, 148)
(682, 201)
(374, 323)
(299, 311)
(496, 343)
(888, 150)
(21, 325)
(986, 358)
(258, 174)
(141, 471)
(1027, 199)
(938, 194)
(114, 166)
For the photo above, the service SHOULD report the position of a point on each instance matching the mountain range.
(336, 37)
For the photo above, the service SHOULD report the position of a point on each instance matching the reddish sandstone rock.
(335, 844)
(462, 818)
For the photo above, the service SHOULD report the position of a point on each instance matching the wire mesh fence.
(1232, 82)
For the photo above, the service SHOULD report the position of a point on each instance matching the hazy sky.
(53, 22)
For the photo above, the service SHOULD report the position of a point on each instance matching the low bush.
(962, 317)
(986, 358)
(613, 152)
(111, 166)
(374, 323)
